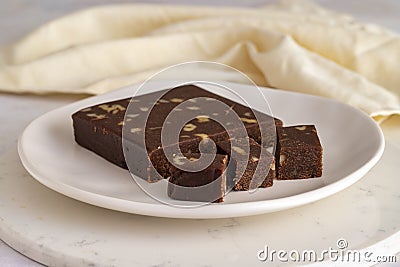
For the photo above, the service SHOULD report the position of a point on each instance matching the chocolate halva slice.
(99, 128)
(247, 154)
(298, 153)
(206, 185)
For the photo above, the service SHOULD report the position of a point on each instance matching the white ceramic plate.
(352, 143)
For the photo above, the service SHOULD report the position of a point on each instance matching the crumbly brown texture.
(207, 185)
(248, 158)
(298, 153)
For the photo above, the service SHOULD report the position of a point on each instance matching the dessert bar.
(99, 128)
(248, 158)
(298, 153)
(206, 185)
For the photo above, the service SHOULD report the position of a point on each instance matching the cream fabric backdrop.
(291, 45)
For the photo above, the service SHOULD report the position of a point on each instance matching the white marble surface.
(366, 214)
(57, 230)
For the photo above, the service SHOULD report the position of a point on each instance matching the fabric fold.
(290, 45)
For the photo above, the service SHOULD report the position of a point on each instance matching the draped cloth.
(290, 45)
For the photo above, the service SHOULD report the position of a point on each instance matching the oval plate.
(352, 142)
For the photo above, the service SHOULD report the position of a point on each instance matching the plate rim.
(210, 211)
